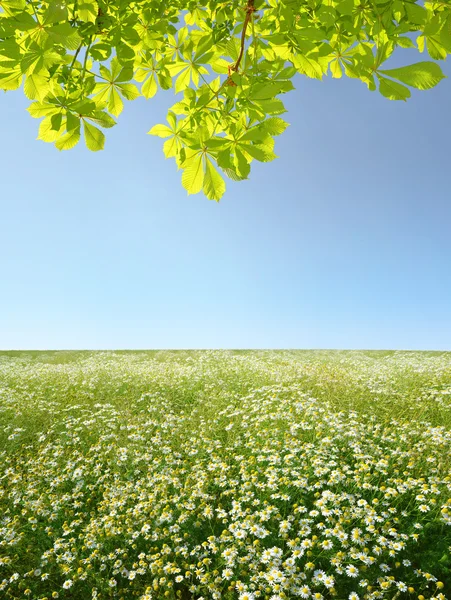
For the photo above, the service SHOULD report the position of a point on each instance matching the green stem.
(75, 56)
(97, 75)
(35, 13)
(86, 58)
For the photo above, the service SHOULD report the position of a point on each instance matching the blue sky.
(342, 242)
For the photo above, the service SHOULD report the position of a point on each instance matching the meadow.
(225, 474)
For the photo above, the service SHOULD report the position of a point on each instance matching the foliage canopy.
(78, 60)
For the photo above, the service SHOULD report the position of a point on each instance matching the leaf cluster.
(229, 62)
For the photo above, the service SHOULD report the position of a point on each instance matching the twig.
(250, 8)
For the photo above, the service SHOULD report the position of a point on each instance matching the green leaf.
(241, 164)
(94, 138)
(270, 89)
(57, 121)
(65, 35)
(423, 75)
(213, 184)
(435, 48)
(115, 104)
(233, 175)
(10, 80)
(102, 118)
(88, 11)
(193, 174)
(128, 90)
(39, 109)
(36, 87)
(335, 69)
(271, 107)
(161, 131)
(55, 12)
(405, 42)
(171, 147)
(164, 79)
(345, 7)
(274, 126)
(149, 87)
(416, 14)
(182, 81)
(69, 139)
(393, 90)
(420, 43)
(258, 153)
(220, 65)
(72, 122)
(308, 66)
(46, 132)
(254, 134)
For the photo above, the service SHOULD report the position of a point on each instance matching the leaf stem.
(86, 58)
(97, 75)
(35, 14)
(75, 56)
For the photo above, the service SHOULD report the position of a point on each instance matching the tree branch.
(250, 8)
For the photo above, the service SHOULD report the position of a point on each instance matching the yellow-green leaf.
(115, 104)
(69, 139)
(193, 175)
(393, 90)
(182, 81)
(435, 49)
(423, 75)
(36, 87)
(128, 90)
(46, 132)
(88, 11)
(39, 109)
(149, 87)
(94, 138)
(308, 66)
(170, 147)
(213, 184)
(161, 131)
(10, 80)
(335, 69)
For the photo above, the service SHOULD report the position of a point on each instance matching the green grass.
(225, 474)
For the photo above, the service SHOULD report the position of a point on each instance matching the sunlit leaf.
(81, 61)
(193, 174)
(424, 75)
(94, 138)
(213, 184)
(393, 90)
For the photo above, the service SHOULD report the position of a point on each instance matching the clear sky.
(344, 241)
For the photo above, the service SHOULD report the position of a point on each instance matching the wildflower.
(352, 571)
(246, 596)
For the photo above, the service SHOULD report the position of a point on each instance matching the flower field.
(225, 474)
